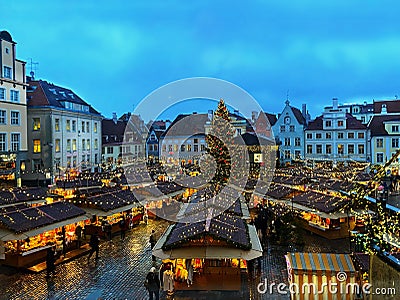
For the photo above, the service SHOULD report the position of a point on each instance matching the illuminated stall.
(321, 276)
(26, 232)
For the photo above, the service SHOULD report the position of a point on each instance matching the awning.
(209, 252)
(8, 235)
(312, 262)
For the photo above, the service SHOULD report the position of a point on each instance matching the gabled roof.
(271, 118)
(194, 125)
(42, 93)
(377, 124)
(316, 124)
(299, 116)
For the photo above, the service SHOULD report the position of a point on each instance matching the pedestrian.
(78, 233)
(122, 227)
(153, 242)
(145, 216)
(50, 261)
(152, 284)
(94, 244)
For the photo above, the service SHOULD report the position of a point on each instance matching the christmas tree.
(219, 139)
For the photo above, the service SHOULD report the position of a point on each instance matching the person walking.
(152, 284)
(94, 244)
(122, 227)
(153, 242)
(50, 261)
(78, 233)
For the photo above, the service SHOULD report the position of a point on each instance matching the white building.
(336, 136)
(64, 132)
(13, 134)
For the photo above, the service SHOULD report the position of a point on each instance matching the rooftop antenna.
(287, 95)
(33, 66)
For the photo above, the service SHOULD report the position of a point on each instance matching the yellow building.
(13, 112)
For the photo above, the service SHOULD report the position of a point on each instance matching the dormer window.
(7, 72)
(395, 128)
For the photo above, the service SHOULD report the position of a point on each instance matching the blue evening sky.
(114, 53)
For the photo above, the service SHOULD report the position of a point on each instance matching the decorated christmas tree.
(218, 139)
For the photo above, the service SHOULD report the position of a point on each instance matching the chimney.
(304, 110)
(335, 103)
(114, 118)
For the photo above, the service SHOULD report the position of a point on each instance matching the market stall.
(27, 232)
(320, 276)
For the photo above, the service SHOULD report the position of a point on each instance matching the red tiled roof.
(377, 126)
(351, 123)
(392, 106)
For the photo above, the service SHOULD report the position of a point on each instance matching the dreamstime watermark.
(184, 141)
(339, 285)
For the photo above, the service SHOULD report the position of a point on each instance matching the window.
(87, 127)
(318, 135)
(350, 149)
(283, 128)
(7, 50)
(36, 124)
(74, 145)
(83, 127)
(15, 118)
(379, 157)
(362, 119)
(340, 123)
(360, 135)
(68, 125)
(110, 150)
(164, 147)
(57, 124)
(360, 149)
(95, 128)
(36, 146)
(58, 145)
(309, 136)
(319, 149)
(69, 145)
(96, 144)
(309, 149)
(73, 126)
(291, 128)
(2, 94)
(14, 96)
(340, 149)
(68, 162)
(287, 154)
(350, 135)
(203, 147)
(395, 128)
(395, 143)
(87, 144)
(15, 137)
(297, 154)
(3, 118)
(379, 143)
(189, 148)
(74, 162)
(96, 158)
(297, 142)
(239, 131)
(83, 145)
(182, 148)
(328, 135)
(155, 147)
(340, 135)
(3, 145)
(328, 123)
(196, 148)
(328, 149)
(7, 72)
(196, 141)
(287, 141)
(169, 148)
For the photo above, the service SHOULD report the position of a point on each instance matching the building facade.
(336, 136)
(156, 129)
(289, 133)
(123, 140)
(13, 112)
(362, 112)
(64, 133)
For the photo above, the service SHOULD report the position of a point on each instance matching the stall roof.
(9, 235)
(102, 213)
(320, 262)
(209, 252)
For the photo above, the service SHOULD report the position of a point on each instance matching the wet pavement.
(120, 271)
